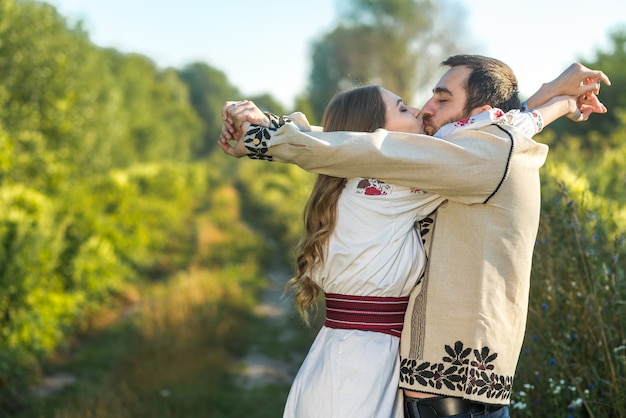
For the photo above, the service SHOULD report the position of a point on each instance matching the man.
(466, 319)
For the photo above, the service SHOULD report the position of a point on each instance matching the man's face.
(448, 101)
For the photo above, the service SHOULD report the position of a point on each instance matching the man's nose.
(428, 109)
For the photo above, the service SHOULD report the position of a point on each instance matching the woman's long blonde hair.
(360, 109)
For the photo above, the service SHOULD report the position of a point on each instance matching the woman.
(360, 249)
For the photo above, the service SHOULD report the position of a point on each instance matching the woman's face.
(400, 117)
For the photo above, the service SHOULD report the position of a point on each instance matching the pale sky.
(264, 46)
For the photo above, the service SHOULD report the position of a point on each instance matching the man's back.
(465, 322)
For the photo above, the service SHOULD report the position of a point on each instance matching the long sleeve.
(467, 167)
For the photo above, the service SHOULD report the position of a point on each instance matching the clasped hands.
(583, 84)
(237, 116)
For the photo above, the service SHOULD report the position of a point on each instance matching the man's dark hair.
(491, 82)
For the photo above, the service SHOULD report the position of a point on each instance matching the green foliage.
(177, 354)
(29, 248)
(209, 89)
(15, 381)
(600, 168)
(96, 187)
(274, 199)
(97, 192)
(61, 259)
(612, 62)
(605, 167)
(78, 109)
(48, 74)
(268, 103)
(394, 43)
(174, 357)
(156, 121)
(140, 209)
(573, 361)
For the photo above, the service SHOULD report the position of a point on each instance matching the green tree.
(91, 108)
(94, 185)
(208, 90)
(157, 121)
(395, 43)
(54, 93)
(267, 102)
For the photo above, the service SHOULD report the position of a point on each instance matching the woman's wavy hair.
(359, 109)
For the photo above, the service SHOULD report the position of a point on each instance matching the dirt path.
(257, 368)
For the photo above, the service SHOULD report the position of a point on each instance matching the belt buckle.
(415, 408)
(443, 406)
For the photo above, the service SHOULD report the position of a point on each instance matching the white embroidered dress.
(374, 251)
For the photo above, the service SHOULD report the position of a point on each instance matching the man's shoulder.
(493, 133)
(500, 129)
(519, 142)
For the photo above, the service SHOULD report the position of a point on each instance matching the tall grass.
(573, 362)
(175, 356)
(175, 351)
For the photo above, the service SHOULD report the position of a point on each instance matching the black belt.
(444, 406)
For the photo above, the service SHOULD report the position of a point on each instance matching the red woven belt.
(366, 313)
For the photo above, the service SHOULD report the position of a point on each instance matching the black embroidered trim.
(424, 226)
(508, 163)
(257, 137)
(459, 371)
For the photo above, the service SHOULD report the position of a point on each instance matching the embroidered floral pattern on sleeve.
(257, 137)
(373, 187)
(462, 369)
(538, 119)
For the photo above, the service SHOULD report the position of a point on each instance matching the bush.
(574, 356)
(62, 257)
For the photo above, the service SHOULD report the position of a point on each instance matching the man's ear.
(480, 109)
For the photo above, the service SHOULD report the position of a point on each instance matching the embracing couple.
(419, 233)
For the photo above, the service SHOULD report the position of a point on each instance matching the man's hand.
(577, 80)
(237, 118)
(580, 108)
(587, 104)
(234, 114)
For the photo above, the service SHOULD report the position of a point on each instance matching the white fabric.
(373, 251)
(529, 122)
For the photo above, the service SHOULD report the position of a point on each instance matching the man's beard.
(430, 128)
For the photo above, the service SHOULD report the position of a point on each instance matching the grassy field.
(208, 342)
(200, 346)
